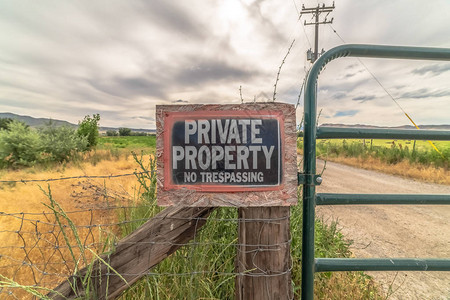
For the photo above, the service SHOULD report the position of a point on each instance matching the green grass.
(181, 276)
(420, 146)
(128, 142)
(204, 268)
(388, 151)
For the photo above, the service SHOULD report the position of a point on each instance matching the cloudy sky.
(67, 59)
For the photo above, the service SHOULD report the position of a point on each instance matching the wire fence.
(42, 247)
(75, 177)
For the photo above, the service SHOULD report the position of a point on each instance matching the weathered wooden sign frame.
(226, 155)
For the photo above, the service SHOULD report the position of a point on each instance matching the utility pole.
(316, 11)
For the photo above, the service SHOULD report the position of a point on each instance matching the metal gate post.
(309, 265)
(309, 190)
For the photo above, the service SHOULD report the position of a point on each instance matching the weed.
(204, 267)
(396, 152)
(180, 276)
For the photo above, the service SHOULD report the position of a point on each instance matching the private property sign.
(224, 151)
(226, 155)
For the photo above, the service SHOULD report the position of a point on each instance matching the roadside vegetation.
(214, 250)
(407, 158)
(22, 146)
(179, 276)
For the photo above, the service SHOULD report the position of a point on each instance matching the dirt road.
(392, 231)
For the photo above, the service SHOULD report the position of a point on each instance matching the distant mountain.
(37, 122)
(429, 127)
(104, 129)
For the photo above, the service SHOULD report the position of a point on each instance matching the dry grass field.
(405, 169)
(34, 250)
(33, 241)
(390, 157)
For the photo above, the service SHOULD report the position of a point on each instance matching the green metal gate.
(310, 179)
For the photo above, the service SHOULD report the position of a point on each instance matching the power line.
(334, 30)
(374, 77)
(296, 8)
(388, 93)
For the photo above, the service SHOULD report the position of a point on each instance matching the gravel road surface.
(394, 231)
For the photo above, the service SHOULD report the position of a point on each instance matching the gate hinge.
(301, 179)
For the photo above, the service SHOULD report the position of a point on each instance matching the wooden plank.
(137, 253)
(263, 259)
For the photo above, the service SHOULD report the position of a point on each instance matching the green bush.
(23, 146)
(89, 128)
(124, 131)
(111, 133)
(59, 143)
(139, 133)
(4, 123)
(19, 145)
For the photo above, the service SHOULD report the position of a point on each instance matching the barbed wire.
(240, 220)
(36, 246)
(75, 177)
(43, 254)
(90, 246)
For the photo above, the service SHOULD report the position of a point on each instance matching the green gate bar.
(381, 264)
(311, 133)
(367, 199)
(379, 133)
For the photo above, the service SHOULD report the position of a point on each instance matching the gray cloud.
(425, 93)
(144, 118)
(346, 113)
(255, 11)
(364, 98)
(351, 66)
(120, 58)
(171, 16)
(262, 97)
(350, 75)
(203, 71)
(433, 70)
(339, 95)
(129, 87)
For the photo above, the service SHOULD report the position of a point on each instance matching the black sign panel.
(229, 153)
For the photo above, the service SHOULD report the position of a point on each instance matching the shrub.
(394, 154)
(59, 143)
(124, 131)
(4, 123)
(89, 128)
(111, 133)
(19, 145)
(139, 133)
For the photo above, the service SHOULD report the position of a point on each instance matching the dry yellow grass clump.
(404, 169)
(33, 246)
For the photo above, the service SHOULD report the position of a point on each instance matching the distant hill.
(429, 127)
(37, 122)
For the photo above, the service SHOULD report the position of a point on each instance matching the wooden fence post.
(263, 260)
(136, 254)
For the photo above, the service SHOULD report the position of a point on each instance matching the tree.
(4, 123)
(111, 133)
(124, 131)
(89, 128)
